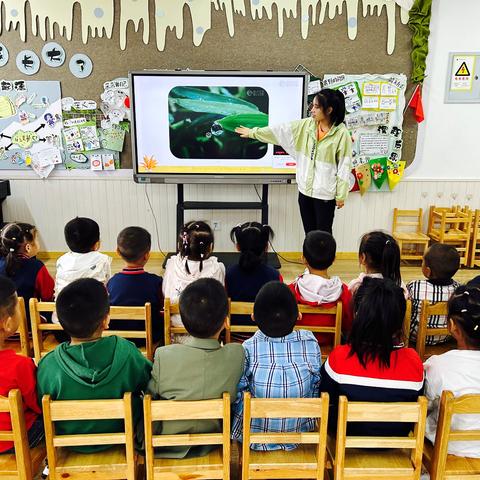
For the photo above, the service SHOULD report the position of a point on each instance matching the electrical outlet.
(217, 225)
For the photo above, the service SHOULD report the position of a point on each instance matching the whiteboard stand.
(230, 257)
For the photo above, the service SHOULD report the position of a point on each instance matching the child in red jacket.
(316, 287)
(17, 371)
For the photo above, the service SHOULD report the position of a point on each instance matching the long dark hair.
(13, 237)
(252, 239)
(195, 242)
(464, 310)
(379, 307)
(382, 254)
(332, 98)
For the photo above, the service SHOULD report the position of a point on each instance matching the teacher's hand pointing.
(243, 131)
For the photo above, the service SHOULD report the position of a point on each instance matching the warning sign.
(463, 67)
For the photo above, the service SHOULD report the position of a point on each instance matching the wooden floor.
(345, 269)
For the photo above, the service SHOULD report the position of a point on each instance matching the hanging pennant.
(378, 167)
(395, 172)
(364, 177)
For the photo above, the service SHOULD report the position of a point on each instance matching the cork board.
(255, 45)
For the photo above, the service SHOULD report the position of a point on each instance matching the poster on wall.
(30, 125)
(374, 116)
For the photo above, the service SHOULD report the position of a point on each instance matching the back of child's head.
(275, 310)
(443, 261)
(379, 311)
(8, 298)
(252, 239)
(133, 243)
(203, 307)
(464, 310)
(81, 234)
(82, 306)
(13, 238)
(195, 242)
(382, 254)
(319, 249)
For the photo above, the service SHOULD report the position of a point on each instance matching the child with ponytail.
(244, 280)
(457, 370)
(194, 260)
(379, 256)
(19, 247)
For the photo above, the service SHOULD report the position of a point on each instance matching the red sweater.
(324, 320)
(18, 371)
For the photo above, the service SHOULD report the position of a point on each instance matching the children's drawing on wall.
(30, 125)
(97, 18)
(374, 105)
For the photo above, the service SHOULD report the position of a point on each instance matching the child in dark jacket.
(91, 366)
(316, 287)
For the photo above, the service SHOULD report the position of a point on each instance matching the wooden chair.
(25, 462)
(307, 460)
(170, 309)
(367, 456)
(246, 308)
(474, 257)
(424, 351)
(21, 344)
(409, 232)
(451, 227)
(436, 459)
(117, 462)
(42, 344)
(407, 321)
(216, 464)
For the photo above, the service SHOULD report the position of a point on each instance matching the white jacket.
(176, 277)
(73, 266)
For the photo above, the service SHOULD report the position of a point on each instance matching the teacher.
(322, 149)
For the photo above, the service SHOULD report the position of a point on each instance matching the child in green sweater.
(91, 367)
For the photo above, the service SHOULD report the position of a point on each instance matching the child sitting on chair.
(90, 366)
(280, 362)
(17, 371)
(440, 263)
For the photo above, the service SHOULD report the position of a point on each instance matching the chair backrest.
(138, 314)
(407, 321)
(428, 309)
(286, 408)
(60, 410)
(445, 221)
(403, 412)
(163, 410)
(449, 406)
(23, 329)
(407, 220)
(36, 308)
(18, 434)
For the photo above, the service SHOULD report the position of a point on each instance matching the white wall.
(448, 141)
(448, 150)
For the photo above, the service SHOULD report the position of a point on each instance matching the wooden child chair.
(42, 333)
(407, 231)
(215, 464)
(368, 457)
(25, 463)
(438, 462)
(474, 257)
(21, 343)
(307, 460)
(118, 462)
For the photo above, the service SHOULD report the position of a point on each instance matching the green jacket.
(105, 368)
(323, 166)
(200, 369)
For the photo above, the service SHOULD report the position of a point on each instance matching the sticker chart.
(374, 116)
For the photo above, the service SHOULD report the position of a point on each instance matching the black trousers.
(316, 214)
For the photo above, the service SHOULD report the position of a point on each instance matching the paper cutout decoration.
(96, 162)
(28, 62)
(364, 177)
(80, 65)
(395, 172)
(112, 138)
(4, 55)
(378, 168)
(53, 54)
(353, 183)
(416, 104)
(115, 104)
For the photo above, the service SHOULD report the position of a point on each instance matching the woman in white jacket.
(193, 261)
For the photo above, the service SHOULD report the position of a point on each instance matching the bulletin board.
(233, 35)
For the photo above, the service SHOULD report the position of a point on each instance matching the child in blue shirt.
(133, 286)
